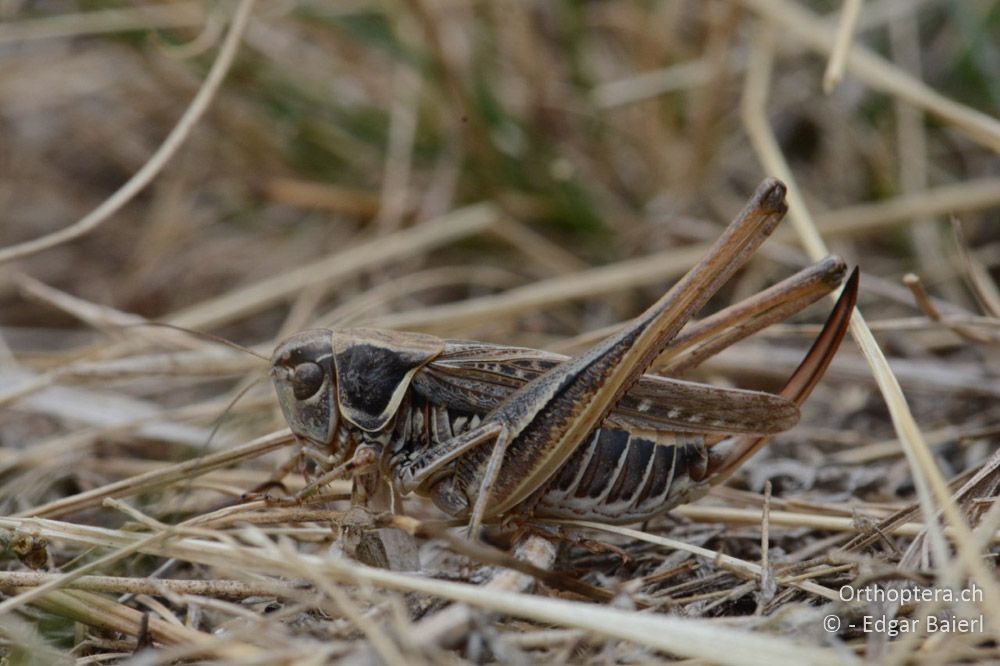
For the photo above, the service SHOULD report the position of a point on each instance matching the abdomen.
(624, 477)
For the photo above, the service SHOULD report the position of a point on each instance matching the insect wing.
(475, 377)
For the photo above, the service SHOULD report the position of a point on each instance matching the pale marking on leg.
(490, 476)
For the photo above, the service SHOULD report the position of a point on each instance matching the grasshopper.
(491, 432)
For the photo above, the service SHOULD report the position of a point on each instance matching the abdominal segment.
(624, 477)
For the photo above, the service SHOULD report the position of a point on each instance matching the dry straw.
(361, 166)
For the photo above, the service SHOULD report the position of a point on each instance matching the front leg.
(363, 533)
(365, 459)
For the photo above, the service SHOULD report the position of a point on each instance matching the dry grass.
(514, 172)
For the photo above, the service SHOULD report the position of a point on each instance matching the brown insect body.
(497, 430)
(621, 473)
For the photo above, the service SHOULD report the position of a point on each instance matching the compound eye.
(307, 380)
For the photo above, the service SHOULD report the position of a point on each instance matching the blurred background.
(594, 131)
(513, 171)
(520, 172)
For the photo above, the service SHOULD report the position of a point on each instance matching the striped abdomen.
(624, 477)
